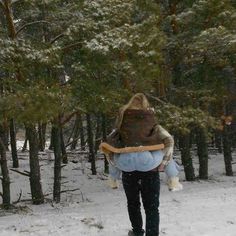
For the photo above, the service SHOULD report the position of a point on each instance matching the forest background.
(67, 66)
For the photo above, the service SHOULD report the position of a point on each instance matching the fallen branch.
(20, 172)
(69, 190)
(63, 191)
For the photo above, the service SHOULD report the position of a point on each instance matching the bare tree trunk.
(57, 163)
(202, 151)
(91, 144)
(81, 131)
(104, 137)
(227, 151)
(35, 178)
(5, 138)
(13, 144)
(218, 140)
(51, 147)
(63, 147)
(184, 141)
(76, 130)
(98, 133)
(42, 133)
(6, 196)
(25, 143)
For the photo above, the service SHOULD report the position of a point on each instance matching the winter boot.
(113, 183)
(174, 184)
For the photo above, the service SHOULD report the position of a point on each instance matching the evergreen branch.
(31, 23)
(20, 172)
(57, 37)
(71, 46)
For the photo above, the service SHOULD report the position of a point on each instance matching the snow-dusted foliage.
(99, 44)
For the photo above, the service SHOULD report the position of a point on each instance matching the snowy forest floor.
(206, 208)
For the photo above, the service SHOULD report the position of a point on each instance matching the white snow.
(203, 208)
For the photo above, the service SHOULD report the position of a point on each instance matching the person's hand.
(161, 167)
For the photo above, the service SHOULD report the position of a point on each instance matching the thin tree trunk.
(218, 140)
(35, 179)
(98, 134)
(227, 151)
(57, 163)
(104, 137)
(51, 146)
(81, 131)
(25, 143)
(202, 151)
(13, 144)
(5, 138)
(6, 196)
(184, 141)
(42, 135)
(76, 132)
(63, 147)
(91, 144)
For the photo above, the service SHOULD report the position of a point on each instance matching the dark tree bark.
(98, 133)
(202, 151)
(35, 178)
(104, 137)
(91, 144)
(6, 196)
(13, 144)
(42, 135)
(81, 131)
(5, 138)
(63, 147)
(227, 150)
(76, 130)
(56, 139)
(51, 140)
(184, 142)
(218, 141)
(25, 143)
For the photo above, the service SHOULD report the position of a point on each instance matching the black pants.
(148, 185)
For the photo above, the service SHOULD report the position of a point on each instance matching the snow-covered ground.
(203, 208)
